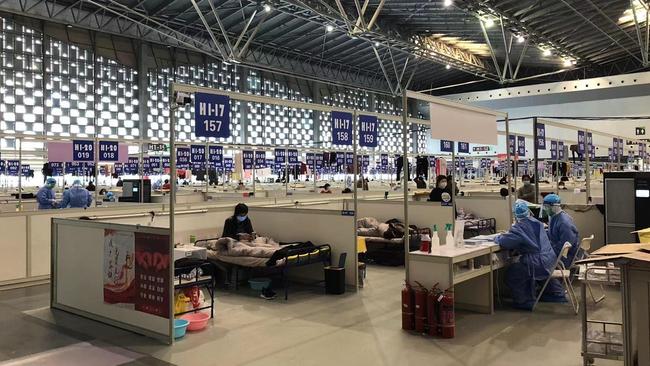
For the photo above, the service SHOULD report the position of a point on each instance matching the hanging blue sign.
(592, 152)
(215, 154)
(610, 153)
(541, 136)
(293, 157)
(133, 166)
(166, 162)
(247, 158)
(310, 159)
(280, 156)
(198, 167)
(581, 142)
(108, 151)
(183, 155)
(340, 158)
(228, 164)
(615, 147)
(365, 161)
(383, 160)
(82, 150)
(590, 139)
(446, 146)
(349, 159)
(118, 168)
(260, 159)
(3, 166)
(511, 144)
(146, 166)
(560, 147)
(621, 146)
(197, 153)
(319, 161)
(154, 162)
(432, 162)
(463, 147)
(521, 145)
(211, 115)
(553, 150)
(341, 128)
(462, 162)
(368, 131)
(26, 170)
(57, 168)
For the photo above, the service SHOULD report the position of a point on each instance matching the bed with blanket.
(263, 256)
(385, 240)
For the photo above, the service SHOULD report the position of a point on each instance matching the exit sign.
(640, 131)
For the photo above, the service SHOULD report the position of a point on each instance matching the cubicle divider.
(118, 274)
(487, 207)
(588, 220)
(421, 214)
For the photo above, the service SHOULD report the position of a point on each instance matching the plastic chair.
(560, 272)
(585, 246)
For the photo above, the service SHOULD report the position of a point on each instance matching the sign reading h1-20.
(108, 151)
(211, 115)
(82, 150)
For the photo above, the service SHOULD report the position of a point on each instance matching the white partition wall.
(317, 226)
(78, 251)
(421, 214)
(487, 207)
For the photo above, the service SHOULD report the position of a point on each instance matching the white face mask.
(442, 185)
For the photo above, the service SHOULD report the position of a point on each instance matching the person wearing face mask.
(529, 239)
(46, 197)
(239, 226)
(76, 197)
(561, 228)
(527, 191)
(441, 187)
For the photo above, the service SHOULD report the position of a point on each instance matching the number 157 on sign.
(212, 115)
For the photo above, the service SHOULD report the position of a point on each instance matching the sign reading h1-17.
(211, 115)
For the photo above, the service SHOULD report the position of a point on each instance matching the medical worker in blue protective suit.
(529, 239)
(561, 228)
(76, 197)
(46, 197)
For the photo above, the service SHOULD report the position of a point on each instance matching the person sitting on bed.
(239, 226)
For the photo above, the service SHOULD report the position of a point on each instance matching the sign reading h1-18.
(211, 115)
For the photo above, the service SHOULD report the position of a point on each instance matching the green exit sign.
(640, 131)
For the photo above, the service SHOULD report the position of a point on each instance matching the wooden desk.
(446, 266)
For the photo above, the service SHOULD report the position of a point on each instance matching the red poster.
(152, 263)
(119, 273)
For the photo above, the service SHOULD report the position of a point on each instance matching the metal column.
(535, 159)
(509, 166)
(405, 167)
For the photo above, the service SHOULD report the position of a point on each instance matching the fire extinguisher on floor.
(447, 316)
(421, 295)
(408, 307)
(433, 310)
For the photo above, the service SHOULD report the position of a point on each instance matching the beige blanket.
(243, 253)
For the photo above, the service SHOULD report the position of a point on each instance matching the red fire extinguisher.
(447, 317)
(408, 308)
(421, 295)
(433, 310)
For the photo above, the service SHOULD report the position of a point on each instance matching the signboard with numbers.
(108, 151)
(197, 153)
(211, 115)
(446, 146)
(26, 170)
(512, 144)
(133, 166)
(541, 136)
(293, 157)
(560, 147)
(621, 146)
(581, 142)
(183, 157)
(166, 162)
(118, 168)
(215, 154)
(280, 156)
(260, 159)
(310, 159)
(146, 166)
(365, 161)
(156, 147)
(553, 150)
(340, 158)
(349, 159)
(521, 146)
(341, 128)
(590, 139)
(383, 160)
(610, 153)
(228, 164)
(154, 162)
(82, 150)
(57, 168)
(247, 158)
(368, 131)
(3, 166)
(463, 147)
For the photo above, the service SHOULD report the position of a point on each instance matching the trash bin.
(334, 280)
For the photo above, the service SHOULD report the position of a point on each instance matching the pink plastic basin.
(197, 321)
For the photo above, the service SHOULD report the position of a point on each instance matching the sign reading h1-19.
(211, 115)
(341, 128)
(108, 151)
(82, 150)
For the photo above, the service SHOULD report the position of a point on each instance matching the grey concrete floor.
(314, 329)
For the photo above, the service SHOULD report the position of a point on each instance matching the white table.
(449, 267)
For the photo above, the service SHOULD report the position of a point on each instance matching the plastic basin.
(259, 283)
(197, 321)
(180, 327)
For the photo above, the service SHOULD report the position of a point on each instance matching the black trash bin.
(334, 280)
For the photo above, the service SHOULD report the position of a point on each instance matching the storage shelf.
(469, 274)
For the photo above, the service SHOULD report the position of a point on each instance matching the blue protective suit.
(76, 197)
(45, 197)
(561, 229)
(529, 238)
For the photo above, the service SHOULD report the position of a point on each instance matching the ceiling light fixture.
(329, 28)
(489, 22)
(448, 67)
(567, 63)
(448, 3)
(521, 39)
(547, 52)
(267, 8)
(377, 44)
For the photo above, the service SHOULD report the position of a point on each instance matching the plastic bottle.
(435, 238)
(449, 240)
(425, 243)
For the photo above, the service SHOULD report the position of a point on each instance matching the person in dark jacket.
(239, 226)
(441, 187)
